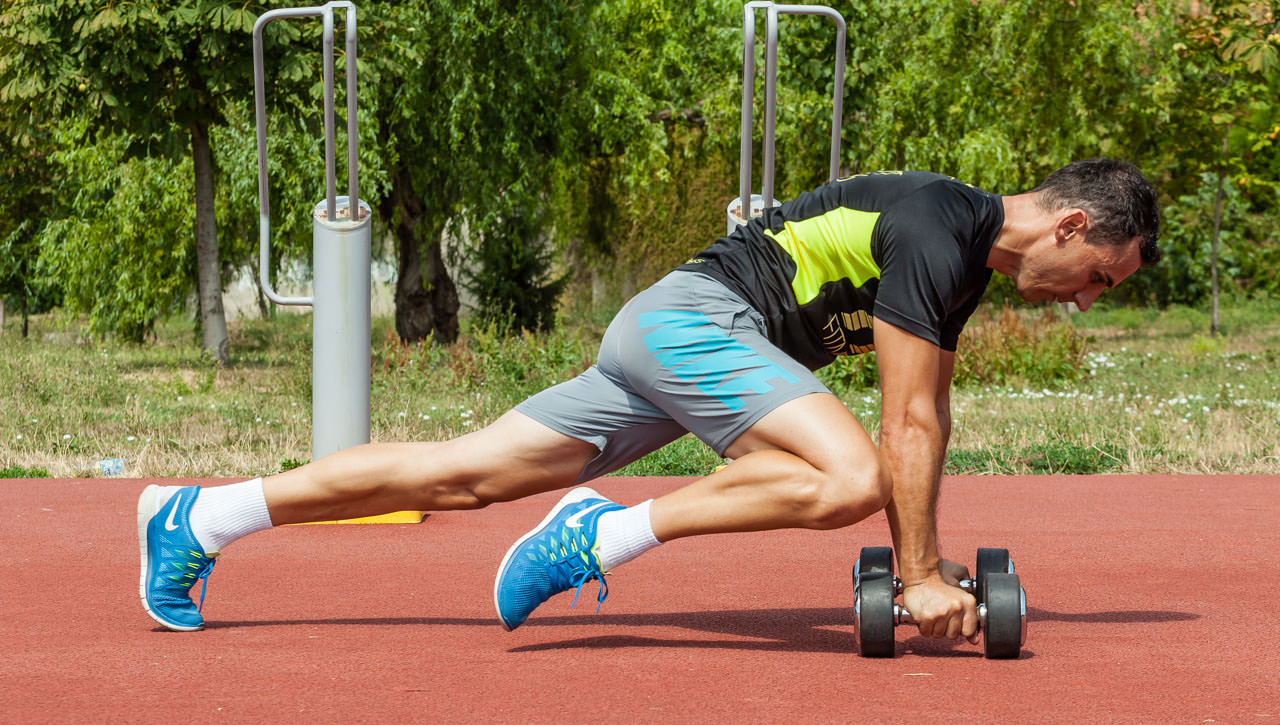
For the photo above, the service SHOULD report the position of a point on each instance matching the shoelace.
(581, 576)
(202, 575)
(582, 569)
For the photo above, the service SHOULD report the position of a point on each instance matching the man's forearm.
(913, 451)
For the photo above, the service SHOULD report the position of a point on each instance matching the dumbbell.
(1002, 603)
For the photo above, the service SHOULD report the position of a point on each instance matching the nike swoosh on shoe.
(575, 521)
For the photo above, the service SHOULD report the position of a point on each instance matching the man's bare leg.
(807, 464)
(182, 529)
(512, 458)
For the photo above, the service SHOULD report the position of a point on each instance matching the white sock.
(623, 535)
(222, 514)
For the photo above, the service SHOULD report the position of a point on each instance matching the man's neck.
(1023, 223)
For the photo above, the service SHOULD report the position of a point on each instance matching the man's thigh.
(621, 425)
(818, 428)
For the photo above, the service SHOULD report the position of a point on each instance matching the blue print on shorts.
(694, 348)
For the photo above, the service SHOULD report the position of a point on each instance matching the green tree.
(648, 173)
(1230, 53)
(112, 240)
(999, 94)
(492, 115)
(26, 188)
(160, 73)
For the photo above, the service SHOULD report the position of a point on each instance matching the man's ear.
(1072, 224)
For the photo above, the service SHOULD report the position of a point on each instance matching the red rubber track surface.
(1150, 599)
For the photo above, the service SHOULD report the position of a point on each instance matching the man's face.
(1066, 268)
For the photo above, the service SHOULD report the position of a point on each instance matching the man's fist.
(941, 609)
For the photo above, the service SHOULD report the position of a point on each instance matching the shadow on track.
(828, 630)
(1136, 616)
(799, 630)
(818, 630)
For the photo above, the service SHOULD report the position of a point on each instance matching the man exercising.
(723, 347)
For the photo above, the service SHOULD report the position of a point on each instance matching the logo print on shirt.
(842, 325)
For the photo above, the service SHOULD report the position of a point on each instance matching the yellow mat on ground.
(399, 517)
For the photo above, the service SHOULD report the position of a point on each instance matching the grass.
(20, 472)
(1160, 396)
(1148, 391)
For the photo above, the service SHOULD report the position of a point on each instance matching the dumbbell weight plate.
(873, 615)
(990, 561)
(875, 560)
(1003, 630)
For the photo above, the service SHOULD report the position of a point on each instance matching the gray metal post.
(745, 200)
(341, 270)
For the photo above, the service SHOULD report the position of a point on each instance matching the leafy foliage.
(25, 173)
(999, 94)
(1250, 245)
(116, 250)
(1222, 118)
(508, 274)
(141, 83)
(583, 150)
(996, 348)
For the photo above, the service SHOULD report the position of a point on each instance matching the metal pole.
(340, 381)
(352, 136)
(341, 253)
(837, 98)
(770, 104)
(330, 170)
(767, 161)
(748, 98)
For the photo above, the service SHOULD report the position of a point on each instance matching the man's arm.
(942, 399)
(915, 423)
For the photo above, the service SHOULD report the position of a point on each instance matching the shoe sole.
(149, 504)
(574, 496)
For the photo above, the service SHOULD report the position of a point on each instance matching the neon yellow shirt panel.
(828, 248)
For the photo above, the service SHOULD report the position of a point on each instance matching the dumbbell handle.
(902, 616)
(969, 585)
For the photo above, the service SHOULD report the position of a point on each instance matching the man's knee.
(846, 496)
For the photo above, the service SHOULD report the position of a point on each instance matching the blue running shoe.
(172, 559)
(557, 555)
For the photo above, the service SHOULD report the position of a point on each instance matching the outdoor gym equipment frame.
(773, 10)
(340, 380)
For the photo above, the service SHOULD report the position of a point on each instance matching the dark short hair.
(1119, 200)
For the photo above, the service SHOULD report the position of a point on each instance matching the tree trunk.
(1, 315)
(213, 320)
(426, 298)
(1217, 225)
(24, 317)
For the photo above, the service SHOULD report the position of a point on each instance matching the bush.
(509, 272)
(996, 348)
(1248, 253)
(850, 373)
(1003, 348)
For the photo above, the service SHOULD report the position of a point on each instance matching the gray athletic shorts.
(685, 355)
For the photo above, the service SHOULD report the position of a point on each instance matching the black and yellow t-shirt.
(907, 247)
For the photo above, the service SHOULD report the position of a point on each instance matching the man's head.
(1090, 225)
(1118, 199)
